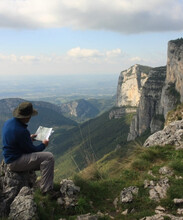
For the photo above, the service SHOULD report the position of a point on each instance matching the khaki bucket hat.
(24, 110)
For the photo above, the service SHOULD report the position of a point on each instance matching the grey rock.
(166, 171)
(125, 212)
(171, 134)
(69, 193)
(10, 185)
(158, 189)
(87, 217)
(159, 210)
(126, 194)
(23, 206)
(178, 201)
(180, 211)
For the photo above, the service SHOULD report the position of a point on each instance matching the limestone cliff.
(130, 84)
(149, 113)
(160, 95)
(172, 92)
(175, 65)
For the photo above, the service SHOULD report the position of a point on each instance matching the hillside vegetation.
(102, 182)
(77, 148)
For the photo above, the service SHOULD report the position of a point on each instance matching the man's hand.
(45, 142)
(33, 136)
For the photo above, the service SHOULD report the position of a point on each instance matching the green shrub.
(141, 164)
(129, 175)
(167, 218)
(177, 165)
(83, 206)
(150, 155)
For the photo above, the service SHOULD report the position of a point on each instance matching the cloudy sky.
(59, 37)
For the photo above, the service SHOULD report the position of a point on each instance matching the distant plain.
(58, 89)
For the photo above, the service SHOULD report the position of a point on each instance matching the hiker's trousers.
(43, 161)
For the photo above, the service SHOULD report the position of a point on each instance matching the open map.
(43, 133)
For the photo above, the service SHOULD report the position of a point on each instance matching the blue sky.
(60, 37)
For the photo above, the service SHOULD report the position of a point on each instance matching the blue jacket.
(17, 140)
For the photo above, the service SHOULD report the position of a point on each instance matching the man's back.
(11, 134)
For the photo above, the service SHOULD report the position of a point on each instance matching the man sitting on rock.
(19, 151)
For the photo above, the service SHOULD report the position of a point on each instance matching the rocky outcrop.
(127, 194)
(69, 194)
(23, 206)
(171, 134)
(149, 113)
(158, 190)
(10, 185)
(80, 109)
(130, 84)
(119, 112)
(17, 189)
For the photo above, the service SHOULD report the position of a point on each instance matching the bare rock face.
(175, 65)
(81, 109)
(10, 185)
(172, 92)
(23, 206)
(130, 84)
(149, 113)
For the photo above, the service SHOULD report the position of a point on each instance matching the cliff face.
(172, 92)
(175, 65)
(130, 84)
(161, 93)
(149, 113)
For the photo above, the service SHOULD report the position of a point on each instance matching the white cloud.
(83, 53)
(77, 53)
(126, 16)
(136, 59)
(15, 58)
(75, 61)
(113, 53)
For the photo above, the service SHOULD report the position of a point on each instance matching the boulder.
(23, 206)
(69, 194)
(166, 171)
(171, 134)
(158, 189)
(126, 194)
(10, 185)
